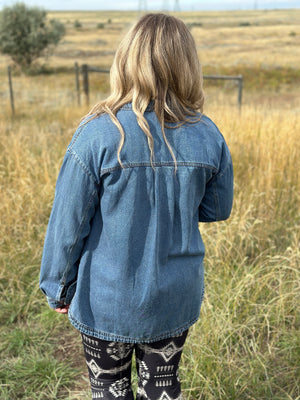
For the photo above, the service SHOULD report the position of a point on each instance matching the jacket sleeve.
(76, 198)
(216, 204)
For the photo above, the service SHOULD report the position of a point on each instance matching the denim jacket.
(123, 246)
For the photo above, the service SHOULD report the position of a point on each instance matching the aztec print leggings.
(109, 365)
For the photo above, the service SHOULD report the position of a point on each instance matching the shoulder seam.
(82, 164)
(79, 130)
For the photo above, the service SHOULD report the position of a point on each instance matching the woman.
(123, 248)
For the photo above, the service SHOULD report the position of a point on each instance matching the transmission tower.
(176, 5)
(165, 5)
(142, 5)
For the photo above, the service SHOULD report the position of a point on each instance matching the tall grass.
(246, 344)
(32, 367)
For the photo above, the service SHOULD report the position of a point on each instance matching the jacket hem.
(127, 339)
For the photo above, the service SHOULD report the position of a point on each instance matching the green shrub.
(25, 33)
(77, 24)
(194, 25)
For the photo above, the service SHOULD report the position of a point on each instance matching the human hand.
(63, 309)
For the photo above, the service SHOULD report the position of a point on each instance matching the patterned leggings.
(109, 365)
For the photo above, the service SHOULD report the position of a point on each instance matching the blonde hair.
(156, 62)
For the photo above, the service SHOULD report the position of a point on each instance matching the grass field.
(246, 344)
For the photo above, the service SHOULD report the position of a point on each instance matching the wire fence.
(86, 69)
(50, 91)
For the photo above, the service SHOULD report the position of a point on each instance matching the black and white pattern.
(144, 374)
(118, 350)
(119, 388)
(109, 365)
(96, 370)
(141, 393)
(165, 396)
(99, 395)
(164, 376)
(91, 346)
(167, 352)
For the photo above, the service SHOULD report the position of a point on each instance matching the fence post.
(240, 92)
(238, 78)
(85, 74)
(77, 82)
(11, 92)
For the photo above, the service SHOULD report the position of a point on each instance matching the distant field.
(263, 46)
(252, 38)
(246, 345)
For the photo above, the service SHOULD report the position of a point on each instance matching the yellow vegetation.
(245, 344)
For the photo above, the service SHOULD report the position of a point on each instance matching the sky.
(157, 4)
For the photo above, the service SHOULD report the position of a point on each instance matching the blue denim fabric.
(123, 245)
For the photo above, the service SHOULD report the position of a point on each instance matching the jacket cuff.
(54, 304)
(64, 298)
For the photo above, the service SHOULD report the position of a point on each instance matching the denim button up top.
(123, 246)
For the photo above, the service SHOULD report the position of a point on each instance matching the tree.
(26, 34)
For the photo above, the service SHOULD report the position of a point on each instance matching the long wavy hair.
(156, 62)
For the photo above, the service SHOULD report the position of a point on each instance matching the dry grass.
(246, 344)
